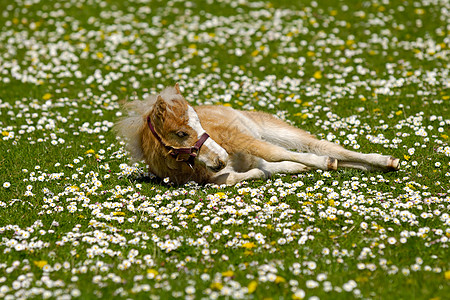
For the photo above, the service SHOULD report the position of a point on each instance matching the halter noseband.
(186, 155)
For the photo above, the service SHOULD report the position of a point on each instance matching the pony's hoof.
(393, 163)
(332, 163)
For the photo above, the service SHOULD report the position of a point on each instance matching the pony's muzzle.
(219, 165)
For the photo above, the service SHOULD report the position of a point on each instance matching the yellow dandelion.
(220, 195)
(318, 75)
(152, 271)
(252, 286)
(447, 275)
(216, 286)
(228, 273)
(249, 245)
(40, 263)
(47, 96)
(279, 279)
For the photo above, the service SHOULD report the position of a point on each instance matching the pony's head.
(166, 132)
(176, 125)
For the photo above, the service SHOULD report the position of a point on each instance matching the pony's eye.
(182, 134)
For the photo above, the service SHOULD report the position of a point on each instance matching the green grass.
(78, 220)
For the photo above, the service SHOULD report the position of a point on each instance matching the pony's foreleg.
(230, 177)
(266, 169)
(273, 153)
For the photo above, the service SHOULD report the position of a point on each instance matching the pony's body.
(242, 145)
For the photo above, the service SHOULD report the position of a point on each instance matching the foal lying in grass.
(216, 144)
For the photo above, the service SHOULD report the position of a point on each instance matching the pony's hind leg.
(282, 134)
(273, 153)
(352, 159)
(283, 167)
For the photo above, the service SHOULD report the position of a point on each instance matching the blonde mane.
(130, 126)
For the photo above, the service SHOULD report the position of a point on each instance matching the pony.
(222, 145)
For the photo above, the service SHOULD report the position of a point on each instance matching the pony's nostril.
(219, 165)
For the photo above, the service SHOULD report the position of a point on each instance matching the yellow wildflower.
(152, 271)
(252, 286)
(447, 275)
(40, 263)
(249, 245)
(220, 195)
(228, 273)
(216, 286)
(47, 96)
(279, 279)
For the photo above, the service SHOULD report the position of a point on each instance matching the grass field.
(79, 220)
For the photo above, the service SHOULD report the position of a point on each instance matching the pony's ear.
(177, 87)
(160, 105)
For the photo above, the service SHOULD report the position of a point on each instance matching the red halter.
(186, 155)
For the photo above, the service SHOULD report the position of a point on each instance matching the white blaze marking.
(194, 123)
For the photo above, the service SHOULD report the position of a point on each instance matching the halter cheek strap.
(186, 155)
